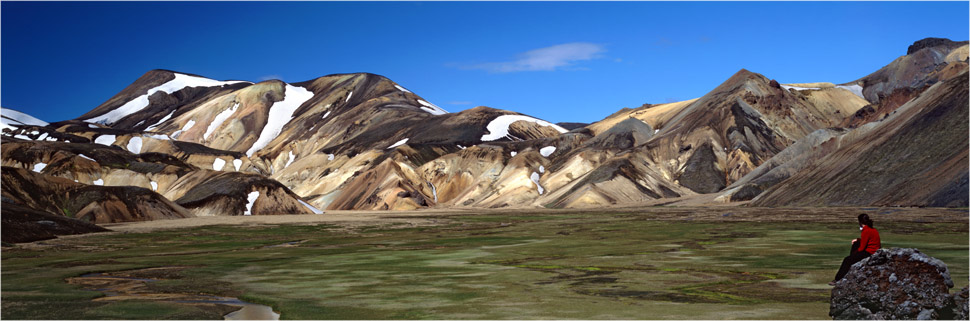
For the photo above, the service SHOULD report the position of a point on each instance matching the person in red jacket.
(862, 247)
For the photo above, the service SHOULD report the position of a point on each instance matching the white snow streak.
(159, 137)
(134, 145)
(402, 89)
(434, 191)
(499, 127)
(218, 120)
(22, 137)
(39, 167)
(855, 89)
(154, 186)
(542, 169)
(152, 127)
(135, 105)
(42, 136)
(218, 163)
(106, 140)
(546, 151)
(279, 115)
(98, 182)
(249, 202)
(290, 161)
(431, 108)
(310, 207)
(187, 126)
(399, 143)
(326, 114)
(535, 179)
(513, 153)
(87, 158)
(329, 157)
(348, 96)
(12, 117)
(236, 163)
(799, 88)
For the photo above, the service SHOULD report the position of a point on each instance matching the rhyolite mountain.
(190, 145)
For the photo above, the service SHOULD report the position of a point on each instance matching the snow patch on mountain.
(218, 120)
(218, 163)
(236, 163)
(535, 179)
(99, 182)
(106, 140)
(290, 161)
(152, 127)
(431, 108)
(546, 151)
(348, 96)
(250, 199)
(542, 169)
(185, 128)
(799, 88)
(87, 158)
(280, 114)
(402, 89)
(399, 143)
(855, 89)
(180, 82)
(134, 145)
(12, 117)
(154, 185)
(39, 167)
(310, 207)
(499, 127)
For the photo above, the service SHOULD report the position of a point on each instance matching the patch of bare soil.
(134, 285)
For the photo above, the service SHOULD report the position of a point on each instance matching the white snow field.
(250, 199)
(135, 105)
(279, 115)
(499, 127)
(218, 120)
(218, 164)
(105, 140)
(134, 145)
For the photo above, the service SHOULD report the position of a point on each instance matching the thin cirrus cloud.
(546, 59)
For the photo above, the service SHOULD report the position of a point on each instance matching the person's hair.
(864, 219)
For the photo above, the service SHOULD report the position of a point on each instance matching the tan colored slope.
(728, 132)
(656, 116)
(915, 157)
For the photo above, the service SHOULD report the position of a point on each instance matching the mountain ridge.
(362, 141)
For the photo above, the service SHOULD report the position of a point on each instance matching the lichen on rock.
(897, 283)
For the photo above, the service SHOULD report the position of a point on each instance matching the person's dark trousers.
(848, 261)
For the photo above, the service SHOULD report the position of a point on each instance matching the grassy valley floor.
(645, 263)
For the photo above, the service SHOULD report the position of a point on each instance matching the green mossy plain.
(536, 266)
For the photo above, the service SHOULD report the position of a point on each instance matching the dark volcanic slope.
(917, 157)
(98, 204)
(24, 224)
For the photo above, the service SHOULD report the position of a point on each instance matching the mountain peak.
(932, 42)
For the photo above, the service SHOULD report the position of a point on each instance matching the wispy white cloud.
(561, 56)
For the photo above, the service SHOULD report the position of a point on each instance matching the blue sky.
(560, 61)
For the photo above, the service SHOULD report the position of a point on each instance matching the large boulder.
(896, 284)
